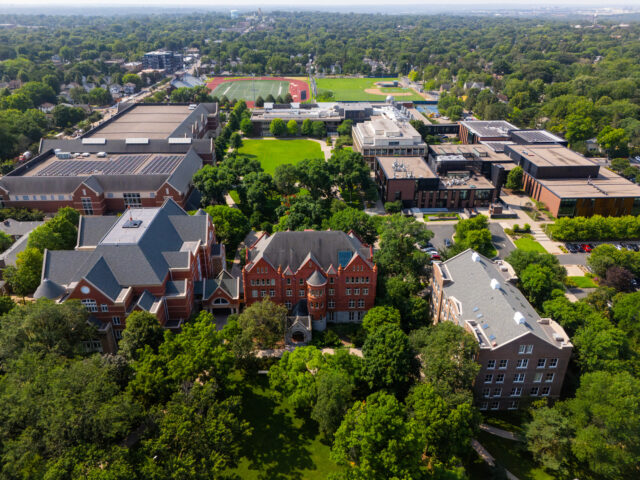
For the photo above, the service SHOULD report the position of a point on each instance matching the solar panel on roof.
(162, 164)
(122, 165)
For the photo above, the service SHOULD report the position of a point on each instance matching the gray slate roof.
(10, 255)
(17, 228)
(493, 309)
(92, 229)
(316, 279)
(224, 280)
(292, 248)
(114, 266)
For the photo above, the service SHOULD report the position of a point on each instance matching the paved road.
(500, 240)
(573, 258)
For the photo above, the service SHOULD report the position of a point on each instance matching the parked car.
(618, 246)
(573, 248)
(586, 248)
(447, 242)
(634, 247)
(435, 256)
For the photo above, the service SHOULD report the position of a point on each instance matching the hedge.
(595, 228)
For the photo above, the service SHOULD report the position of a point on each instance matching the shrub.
(393, 207)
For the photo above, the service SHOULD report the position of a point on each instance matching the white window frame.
(116, 320)
(553, 362)
(500, 378)
(491, 365)
(90, 304)
(519, 378)
(488, 378)
(503, 364)
(523, 363)
(542, 362)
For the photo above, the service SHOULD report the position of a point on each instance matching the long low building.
(572, 185)
(415, 184)
(96, 184)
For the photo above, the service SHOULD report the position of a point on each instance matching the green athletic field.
(245, 89)
(272, 153)
(354, 89)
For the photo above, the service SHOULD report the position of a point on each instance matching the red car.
(586, 248)
(435, 256)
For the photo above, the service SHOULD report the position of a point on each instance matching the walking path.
(326, 149)
(499, 432)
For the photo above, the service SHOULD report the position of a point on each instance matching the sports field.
(272, 153)
(250, 90)
(364, 89)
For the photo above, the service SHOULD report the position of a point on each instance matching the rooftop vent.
(495, 284)
(558, 338)
(475, 257)
(518, 318)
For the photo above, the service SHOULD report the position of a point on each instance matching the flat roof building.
(572, 185)
(522, 356)
(475, 131)
(531, 137)
(412, 181)
(387, 134)
(162, 60)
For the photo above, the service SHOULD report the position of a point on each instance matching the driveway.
(573, 258)
(500, 240)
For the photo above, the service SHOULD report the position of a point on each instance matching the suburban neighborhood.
(230, 252)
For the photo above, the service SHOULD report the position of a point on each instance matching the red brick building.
(522, 356)
(330, 271)
(149, 259)
(97, 184)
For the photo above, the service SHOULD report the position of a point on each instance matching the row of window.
(516, 392)
(495, 405)
(130, 199)
(523, 363)
(272, 281)
(331, 304)
(519, 377)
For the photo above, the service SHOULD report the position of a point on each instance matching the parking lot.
(498, 237)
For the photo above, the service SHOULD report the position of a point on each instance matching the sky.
(309, 4)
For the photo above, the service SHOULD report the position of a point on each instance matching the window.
(87, 206)
(90, 304)
(360, 316)
(567, 207)
(484, 405)
(518, 378)
(356, 291)
(534, 391)
(365, 291)
(495, 405)
(331, 316)
(332, 292)
(254, 293)
(117, 334)
(352, 304)
(288, 281)
(513, 405)
(549, 377)
(522, 349)
(348, 291)
(491, 364)
(486, 392)
(497, 392)
(289, 292)
(542, 362)
(132, 200)
(352, 316)
(301, 293)
(115, 320)
(523, 363)
(553, 362)
(301, 282)
(515, 392)
(361, 303)
(288, 305)
(331, 304)
(104, 308)
(503, 364)
(545, 391)
(263, 293)
(272, 293)
(500, 378)
(537, 377)
(488, 378)
(331, 280)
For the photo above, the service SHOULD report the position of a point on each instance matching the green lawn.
(354, 89)
(272, 153)
(529, 245)
(513, 456)
(250, 90)
(282, 446)
(583, 282)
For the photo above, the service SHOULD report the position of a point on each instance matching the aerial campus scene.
(319, 241)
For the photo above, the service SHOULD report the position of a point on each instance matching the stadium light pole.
(253, 86)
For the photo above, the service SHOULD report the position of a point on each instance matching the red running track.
(296, 87)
